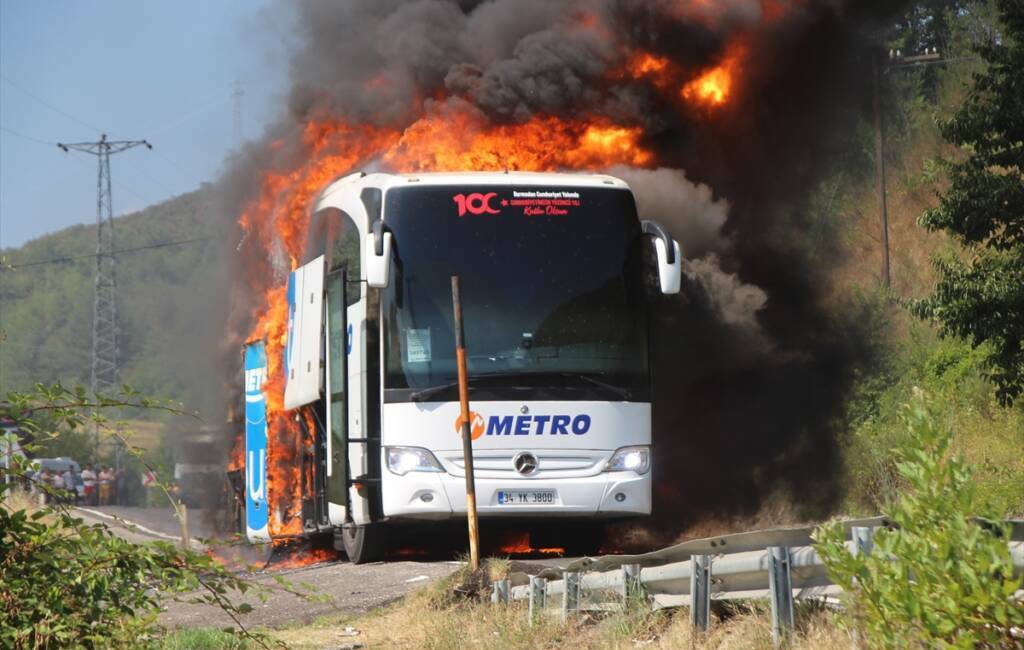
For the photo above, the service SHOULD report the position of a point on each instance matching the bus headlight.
(402, 460)
(636, 459)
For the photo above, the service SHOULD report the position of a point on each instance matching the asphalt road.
(339, 585)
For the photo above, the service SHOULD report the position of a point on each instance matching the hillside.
(170, 302)
(908, 354)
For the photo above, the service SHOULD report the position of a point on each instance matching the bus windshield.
(552, 289)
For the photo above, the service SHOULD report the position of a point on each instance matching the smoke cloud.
(751, 370)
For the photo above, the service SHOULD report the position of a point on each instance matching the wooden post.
(467, 434)
(883, 210)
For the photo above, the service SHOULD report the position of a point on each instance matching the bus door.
(339, 346)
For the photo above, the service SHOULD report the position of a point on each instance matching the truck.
(557, 273)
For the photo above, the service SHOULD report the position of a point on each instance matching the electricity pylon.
(105, 368)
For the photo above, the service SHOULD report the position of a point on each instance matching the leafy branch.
(64, 582)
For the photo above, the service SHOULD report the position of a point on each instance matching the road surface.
(344, 587)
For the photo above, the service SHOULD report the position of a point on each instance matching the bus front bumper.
(439, 496)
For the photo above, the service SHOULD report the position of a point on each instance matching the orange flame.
(463, 142)
(305, 557)
(713, 87)
(237, 458)
(518, 543)
(645, 64)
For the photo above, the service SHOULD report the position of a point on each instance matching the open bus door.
(339, 346)
(255, 466)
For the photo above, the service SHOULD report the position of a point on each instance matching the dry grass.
(435, 619)
(912, 186)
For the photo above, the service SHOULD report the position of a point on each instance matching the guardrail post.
(570, 595)
(631, 587)
(862, 539)
(538, 593)
(781, 586)
(500, 594)
(700, 591)
(862, 543)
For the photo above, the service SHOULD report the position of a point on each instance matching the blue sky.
(163, 71)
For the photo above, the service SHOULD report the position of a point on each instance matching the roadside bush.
(65, 583)
(988, 436)
(938, 577)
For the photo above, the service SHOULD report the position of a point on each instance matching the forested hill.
(171, 298)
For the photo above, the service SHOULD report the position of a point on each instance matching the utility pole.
(237, 95)
(105, 369)
(883, 209)
(898, 61)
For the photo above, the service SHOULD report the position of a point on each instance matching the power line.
(184, 117)
(26, 137)
(74, 258)
(50, 106)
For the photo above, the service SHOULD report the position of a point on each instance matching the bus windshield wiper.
(624, 393)
(423, 394)
(426, 393)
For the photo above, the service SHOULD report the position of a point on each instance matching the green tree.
(937, 578)
(981, 296)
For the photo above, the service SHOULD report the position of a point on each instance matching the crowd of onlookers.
(96, 487)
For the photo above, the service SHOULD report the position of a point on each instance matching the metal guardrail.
(731, 568)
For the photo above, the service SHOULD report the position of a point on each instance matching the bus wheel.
(362, 544)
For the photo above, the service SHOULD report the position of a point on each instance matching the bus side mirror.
(670, 274)
(670, 265)
(378, 256)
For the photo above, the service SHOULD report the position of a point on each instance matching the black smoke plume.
(751, 370)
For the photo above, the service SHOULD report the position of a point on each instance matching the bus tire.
(363, 544)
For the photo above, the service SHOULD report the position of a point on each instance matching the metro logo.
(475, 203)
(525, 425)
(476, 424)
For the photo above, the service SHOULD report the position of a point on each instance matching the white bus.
(554, 272)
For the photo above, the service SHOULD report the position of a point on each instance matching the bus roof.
(388, 181)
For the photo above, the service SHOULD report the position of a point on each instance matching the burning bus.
(556, 271)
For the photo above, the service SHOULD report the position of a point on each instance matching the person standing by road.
(89, 481)
(106, 479)
(68, 483)
(43, 481)
(56, 484)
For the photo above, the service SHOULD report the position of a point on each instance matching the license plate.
(526, 497)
